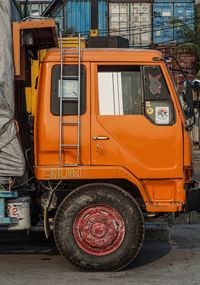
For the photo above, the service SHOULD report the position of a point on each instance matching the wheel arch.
(125, 184)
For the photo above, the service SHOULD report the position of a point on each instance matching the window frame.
(70, 106)
(163, 100)
(143, 97)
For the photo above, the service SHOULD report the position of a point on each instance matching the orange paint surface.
(150, 156)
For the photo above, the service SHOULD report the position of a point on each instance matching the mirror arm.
(189, 128)
(180, 68)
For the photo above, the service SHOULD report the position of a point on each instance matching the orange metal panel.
(44, 36)
(147, 150)
(101, 55)
(165, 190)
(145, 154)
(16, 48)
(159, 195)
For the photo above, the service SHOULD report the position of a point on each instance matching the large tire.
(99, 227)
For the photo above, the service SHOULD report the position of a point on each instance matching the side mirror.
(196, 93)
(196, 85)
(188, 98)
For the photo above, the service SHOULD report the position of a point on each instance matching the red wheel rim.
(99, 230)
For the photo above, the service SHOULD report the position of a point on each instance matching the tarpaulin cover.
(12, 162)
(15, 16)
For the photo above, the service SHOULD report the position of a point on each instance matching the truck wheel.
(99, 227)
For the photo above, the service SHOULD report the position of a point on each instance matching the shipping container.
(35, 7)
(184, 12)
(174, 1)
(132, 21)
(103, 18)
(76, 17)
(119, 19)
(165, 32)
(141, 24)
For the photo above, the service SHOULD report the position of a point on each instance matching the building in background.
(142, 22)
(35, 7)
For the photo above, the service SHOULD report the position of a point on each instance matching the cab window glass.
(70, 90)
(119, 89)
(158, 104)
(154, 84)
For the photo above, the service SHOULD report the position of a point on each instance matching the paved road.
(35, 261)
(173, 263)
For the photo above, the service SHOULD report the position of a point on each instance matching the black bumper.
(193, 198)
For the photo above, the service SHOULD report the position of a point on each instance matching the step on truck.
(109, 146)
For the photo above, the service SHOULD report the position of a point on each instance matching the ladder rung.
(69, 123)
(68, 76)
(69, 99)
(71, 53)
(69, 145)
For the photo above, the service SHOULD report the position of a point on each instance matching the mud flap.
(193, 198)
(47, 229)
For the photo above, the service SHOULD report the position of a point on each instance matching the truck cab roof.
(105, 55)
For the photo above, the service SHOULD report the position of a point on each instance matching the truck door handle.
(100, 138)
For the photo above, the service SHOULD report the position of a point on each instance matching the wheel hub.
(99, 230)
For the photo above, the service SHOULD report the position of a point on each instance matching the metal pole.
(61, 98)
(79, 97)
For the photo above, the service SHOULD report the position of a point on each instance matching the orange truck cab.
(111, 139)
(108, 147)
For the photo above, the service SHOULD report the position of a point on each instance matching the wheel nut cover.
(99, 230)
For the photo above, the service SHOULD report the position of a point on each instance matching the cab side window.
(119, 89)
(158, 104)
(70, 90)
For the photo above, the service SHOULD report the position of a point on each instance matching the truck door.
(135, 123)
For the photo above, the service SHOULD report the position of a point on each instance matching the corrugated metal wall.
(184, 12)
(119, 19)
(103, 18)
(141, 24)
(132, 21)
(174, 1)
(141, 21)
(77, 17)
(164, 32)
